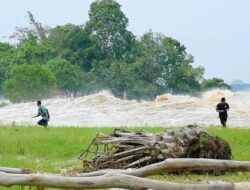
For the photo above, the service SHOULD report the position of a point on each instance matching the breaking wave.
(103, 109)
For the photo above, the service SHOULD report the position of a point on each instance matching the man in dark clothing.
(223, 108)
(44, 113)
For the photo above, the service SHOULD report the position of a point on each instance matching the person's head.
(39, 103)
(223, 100)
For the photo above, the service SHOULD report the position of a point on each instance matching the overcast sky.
(216, 32)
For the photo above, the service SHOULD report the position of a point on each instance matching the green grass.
(53, 149)
(46, 150)
(239, 140)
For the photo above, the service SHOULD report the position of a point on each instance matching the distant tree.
(167, 65)
(72, 43)
(208, 84)
(5, 50)
(33, 47)
(157, 64)
(31, 51)
(152, 56)
(108, 29)
(35, 28)
(2, 78)
(69, 77)
(30, 82)
(179, 73)
(128, 80)
(7, 62)
(102, 54)
(40, 31)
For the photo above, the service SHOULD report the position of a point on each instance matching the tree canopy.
(99, 54)
(107, 27)
(69, 77)
(30, 82)
(208, 84)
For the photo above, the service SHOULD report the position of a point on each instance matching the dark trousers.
(223, 120)
(43, 122)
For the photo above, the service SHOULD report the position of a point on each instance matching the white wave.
(103, 109)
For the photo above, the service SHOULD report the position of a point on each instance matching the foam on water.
(103, 109)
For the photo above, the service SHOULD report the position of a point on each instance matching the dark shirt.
(222, 106)
(42, 111)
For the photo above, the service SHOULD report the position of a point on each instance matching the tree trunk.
(110, 180)
(15, 170)
(131, 178)
(180, 164)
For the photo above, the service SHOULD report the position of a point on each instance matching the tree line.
(101, 54)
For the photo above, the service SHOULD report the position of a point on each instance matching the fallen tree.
(168, 165)
(129, 179)
(179, 164)
(125, 149)
(109, 180)
(15, 170)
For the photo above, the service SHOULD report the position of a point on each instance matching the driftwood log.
(179, 164)
(124, 149)
(15, 170)
(129, 179)
(109, 180)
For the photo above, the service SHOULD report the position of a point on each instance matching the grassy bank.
(53, 149)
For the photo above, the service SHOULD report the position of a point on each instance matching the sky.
(215, 32)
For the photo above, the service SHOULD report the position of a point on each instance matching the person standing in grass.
(44, 113)
(222, 108)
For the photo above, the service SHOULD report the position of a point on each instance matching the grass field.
(51, 150)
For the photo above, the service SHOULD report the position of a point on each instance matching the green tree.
(2, 78)
(7, 62)
(102, 54)
(30, 82)
(166, 64)
(153, 58)
(72, 43)
(39, 30)
(108, 29)
(185, 78)
(69, 77)
(158, 64)
(179, 73)
(128, 80)
(30, 51)
(209, 84)
(35, 28)
(33, 47)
